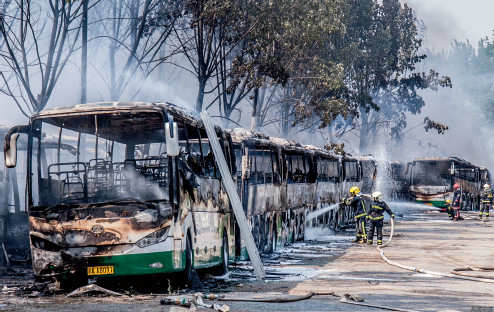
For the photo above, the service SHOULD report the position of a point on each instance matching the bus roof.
(113, 106)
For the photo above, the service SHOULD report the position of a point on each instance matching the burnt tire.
(273, 239)
(225, 257)
(189, 260)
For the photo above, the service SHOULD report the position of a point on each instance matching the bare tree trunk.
(254, 120)
(113, 49)
(200, 94)
(84, 54)
(367, 130)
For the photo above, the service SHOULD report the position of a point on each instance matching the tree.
(288, 46)
(381, 51)
(204, 40)
(136, 34)
(38, 42)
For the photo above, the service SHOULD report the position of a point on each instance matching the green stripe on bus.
(138, 264)
(435, 203)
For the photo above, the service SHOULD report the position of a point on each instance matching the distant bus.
(432, 181)
(137, 193)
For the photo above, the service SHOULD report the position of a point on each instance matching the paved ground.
(329, 265)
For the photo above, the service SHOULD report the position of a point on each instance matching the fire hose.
(454, 273)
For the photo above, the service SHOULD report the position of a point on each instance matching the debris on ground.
(92, 287)
(195, 300)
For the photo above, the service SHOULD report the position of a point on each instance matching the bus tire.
(189, 261)
(225, 257)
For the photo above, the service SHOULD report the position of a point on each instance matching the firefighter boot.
(486, 219)
(480, 216)
(379, 243)
(369, 242)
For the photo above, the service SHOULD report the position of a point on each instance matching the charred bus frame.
(141, 194)
(280, 181)
(432, 180)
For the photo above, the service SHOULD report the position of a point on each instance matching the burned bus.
(432, 181)
(399, 182)
(138, 192)
(280, 181)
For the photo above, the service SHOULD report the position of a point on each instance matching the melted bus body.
(280, 181)
(432, 181)
(137, 192)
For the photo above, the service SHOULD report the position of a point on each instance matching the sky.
(466, 138)
(454, 19)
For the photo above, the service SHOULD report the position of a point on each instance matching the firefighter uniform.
(456, 204)
(360, 212)
(449, 209)
(485, 203)
(376, 218)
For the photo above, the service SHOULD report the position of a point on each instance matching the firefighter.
(456, 204)
(449, 209)
(486, 202)
(360, 212)
(376, 217)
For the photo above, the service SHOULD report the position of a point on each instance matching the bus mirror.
(407, 168)
(452, 169)
(10, 150)
(171, 135)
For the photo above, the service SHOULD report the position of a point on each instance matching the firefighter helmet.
(487, 187)
(378, 196)
(456, 186)
(354, 190)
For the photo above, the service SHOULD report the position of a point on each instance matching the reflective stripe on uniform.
(376, 218)
(377, 207)
(361, 215)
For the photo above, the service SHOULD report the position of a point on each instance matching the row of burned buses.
(432, 180)
(124, 189)
(133, 189)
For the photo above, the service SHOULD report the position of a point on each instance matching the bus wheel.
(223, 268)
(187, 274)
(273, 237)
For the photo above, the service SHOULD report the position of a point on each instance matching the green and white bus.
(129, 189)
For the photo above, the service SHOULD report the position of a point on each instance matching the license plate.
(429, 204)
(100, 270)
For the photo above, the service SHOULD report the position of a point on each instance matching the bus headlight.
(153, 238)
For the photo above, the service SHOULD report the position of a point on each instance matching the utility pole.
(226, 178)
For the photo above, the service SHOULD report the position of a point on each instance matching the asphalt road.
(328, 265)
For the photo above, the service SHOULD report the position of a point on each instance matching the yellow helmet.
(354, 190)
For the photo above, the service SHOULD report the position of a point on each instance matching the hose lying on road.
(460, 271)
(419, 270)
(278, 299)
(349, 299)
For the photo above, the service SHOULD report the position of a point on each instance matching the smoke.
(449, 20)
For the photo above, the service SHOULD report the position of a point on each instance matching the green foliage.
(430, 124)
(338, 149)
(473, 73)
(379, 52)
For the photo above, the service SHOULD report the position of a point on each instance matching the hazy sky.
(454, 19)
